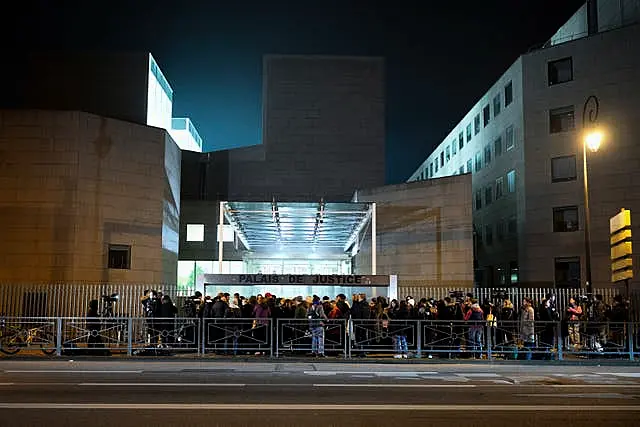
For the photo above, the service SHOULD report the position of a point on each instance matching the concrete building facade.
(424, 234)
(522, 142)
(85, 198)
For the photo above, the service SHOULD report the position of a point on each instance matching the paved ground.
(192, 393)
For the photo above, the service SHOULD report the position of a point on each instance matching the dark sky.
(440, 58)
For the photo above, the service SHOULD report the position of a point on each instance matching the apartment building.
(522, 143)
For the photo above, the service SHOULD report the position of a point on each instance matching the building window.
(119, 257)
(479, 236)
(512, 225)
(486, 115)
(560, 71)
(436, 162)
(496, 105)
(561, 119)
(499, 187)
(461, 140)
(447, 154)
(508, 94)
(478, 199)
(563, 169)
(454, 147)
(488, 195)
(511, 181)
(478, 161)
(567, 273)
(461, 169)
(497, 146)
(488, 235)
(565, 219)
(469, 132)
(500, 230)
(476, 124)
(487, 155)
(419, 179)
(469, 165)
(431, 169)
(510, 138)
(195, 232)
(514, 275)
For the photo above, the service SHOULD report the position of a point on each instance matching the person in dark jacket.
(399, 330)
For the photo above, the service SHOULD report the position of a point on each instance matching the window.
(228, 232)
(563, 169)
(431, 169)
(476, 124)
(436, 163)
(195, 232)
(487, 155)
(478, 161)
(461, 169)
(421, 178)
(512, 225)
(567, 273)
(561, 119)
(499, 187)
(509, 138)
(560, 71)
(497, 146)
(478, 199)
(488, 235)
(469, 132)
(119, 257)
(496, 105)
(486, 115)
(469, 165)
(508, 94)
(442, 159)
(514, 275)
(500, 230)
(511, 181)
(565, 219)
(447, 154)
(454, 147)
(461, 140)
(488, 195)
(479, 236)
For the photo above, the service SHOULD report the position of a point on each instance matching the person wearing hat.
(317, 318)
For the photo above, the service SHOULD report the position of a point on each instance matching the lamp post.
(592, 140)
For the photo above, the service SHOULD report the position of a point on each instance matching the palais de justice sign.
(297, 279)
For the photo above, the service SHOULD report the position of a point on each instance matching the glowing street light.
(593, 139)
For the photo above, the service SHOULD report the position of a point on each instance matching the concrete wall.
(605, 65)
(71, 184)
(323, 131)
(424, 232)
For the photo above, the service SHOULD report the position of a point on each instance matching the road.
(161, 393)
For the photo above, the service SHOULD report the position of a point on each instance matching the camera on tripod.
(114, 297)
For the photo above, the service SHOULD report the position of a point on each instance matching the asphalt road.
(154, 393)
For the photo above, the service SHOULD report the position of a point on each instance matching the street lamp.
(592, 140)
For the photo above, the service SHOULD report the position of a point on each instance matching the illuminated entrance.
(303, 239)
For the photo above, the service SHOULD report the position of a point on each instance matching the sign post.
(621, 248)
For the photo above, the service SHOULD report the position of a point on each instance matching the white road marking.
(164, 384)
(582, 395)
(398, 385)
(479, 375)
(396, 374)
(377, 373)
(318, 407)
(6, 384)
(587, 385)
(623, 374)
(71, 371)
(362, 376)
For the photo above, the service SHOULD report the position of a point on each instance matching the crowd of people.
(469, 319)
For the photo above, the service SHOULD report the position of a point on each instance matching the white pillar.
(374, 240)
(220, 237)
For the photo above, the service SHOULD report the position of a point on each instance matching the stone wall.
(72, 183)
(424, 232)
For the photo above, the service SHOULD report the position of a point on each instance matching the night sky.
(440, 58)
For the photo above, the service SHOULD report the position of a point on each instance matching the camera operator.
(167, 313)
(151, 306)
(548, 314)
(191, 306)
(572, 317)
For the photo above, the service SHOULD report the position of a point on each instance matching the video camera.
(114, 297)
(499, 295)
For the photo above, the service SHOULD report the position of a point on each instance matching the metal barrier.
(384, 336)
(294, 336)
(238, 336)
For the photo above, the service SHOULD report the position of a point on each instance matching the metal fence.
(342, 338)
(72, 300)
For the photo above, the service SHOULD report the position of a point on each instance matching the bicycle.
(14, 338)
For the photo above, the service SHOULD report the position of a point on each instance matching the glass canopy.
(290, 226)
